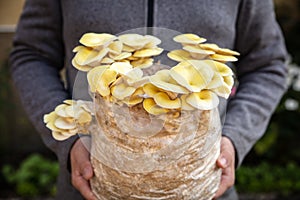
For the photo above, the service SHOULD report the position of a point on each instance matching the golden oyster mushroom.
(121, 67)
(216, 81)
(222, 91)
(219, 67)
(179, 55)
(122, 91)
(204, 100)
(189, 38)
(127, 48)
(151, 107)
(184, 104)
(105, 80)
(115, 47)
(142, 63)
(150, 89)
(88, 56)
(197, 53)
(164, 101)
(223, 58)
(152, 41)
(163, 80)
(121, 56)
(192, 74)
(143, 53)
(94, 76)
(135, 98)
(107, 60)
(134, 41)
(96, 40)
(83, 68)
(209, 46)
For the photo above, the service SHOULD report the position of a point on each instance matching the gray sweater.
(50, 29)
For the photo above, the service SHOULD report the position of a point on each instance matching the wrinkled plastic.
(140, 156)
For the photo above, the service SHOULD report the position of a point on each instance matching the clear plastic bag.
(140, 156)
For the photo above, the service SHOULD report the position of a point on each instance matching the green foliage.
(266, 178)
(35, 176)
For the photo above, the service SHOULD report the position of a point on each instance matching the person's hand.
(81, 169)
(226, 162)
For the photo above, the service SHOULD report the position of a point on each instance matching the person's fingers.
(82, 170)
(226, 163)
(82, 186)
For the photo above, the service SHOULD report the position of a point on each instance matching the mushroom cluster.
(69, 118)
(115, 71)
(115, 64)
(105, 49)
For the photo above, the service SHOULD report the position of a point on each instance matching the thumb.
(222, 162)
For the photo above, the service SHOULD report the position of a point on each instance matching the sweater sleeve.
(36, 60)
(261, 73)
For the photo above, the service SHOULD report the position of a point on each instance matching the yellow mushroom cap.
(83, 68)
(179, 55)
(151, 107)
(192, 75)
(60, 136)
(94, 76)
(135, 41)
(204, 100)
(116, 47)
(189, 38)
(122, 91)
(122, 56)
(184, 104)
(164, 101)
(60, 110)
(106, 78)
(223, 58)
(219, 67)
(61, 123)
(151, 89)
(215, 82)
(162, 79)
(229, 52)
(142, 63)
(127, 48)
(95, 39)
(198, 53)
(148, 52)
(152, 41)
(87, 56)
(222, 91)
(209, 46)
(135, 98)
(121, 67)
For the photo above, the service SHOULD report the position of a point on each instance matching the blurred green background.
(271, 170)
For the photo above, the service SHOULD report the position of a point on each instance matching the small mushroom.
(127, 48)
(60, 110)
(163, 80)
(135, 41)
(164, 101)
(135, 98)
(116, 47)
(122, 56)
(204, 100)
(96, 40)
(94, 76)
(88, 56)
(142, 63)
(60, 136)
(107, 60)
(150, 89)
(223, 58)
(106, 78)
(151, 107)
(63, 124)
(209, 46)
(148, 52)
(216, 81)
(189, 38)
(229, 52)
(179, 55)
(152, 41)
(122, 91)
(219, 67)
(121, 67)
(194, 76)
(222, 91)
(83, 68)
(184, 104)
(198, 53)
